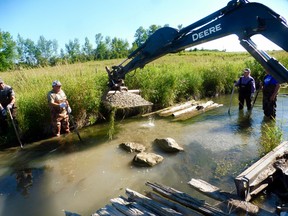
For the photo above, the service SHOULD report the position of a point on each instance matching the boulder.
(168, 145)
(147, 159)
(132, 147)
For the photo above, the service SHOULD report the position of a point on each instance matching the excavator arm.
(239, 17)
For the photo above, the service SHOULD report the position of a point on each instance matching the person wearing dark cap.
(270, 90)
(59, 108)
(246, 84)
(7, 101)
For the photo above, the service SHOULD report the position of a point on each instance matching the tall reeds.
(170, 79)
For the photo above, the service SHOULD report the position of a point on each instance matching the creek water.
(63, 174)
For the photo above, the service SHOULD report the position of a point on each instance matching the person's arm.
(51, 101)
(253, 86)
(236, 83)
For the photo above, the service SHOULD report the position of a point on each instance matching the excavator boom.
(239, 17)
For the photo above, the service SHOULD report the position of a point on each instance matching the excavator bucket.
(119, 97)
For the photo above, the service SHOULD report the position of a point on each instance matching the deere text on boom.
(206, 32)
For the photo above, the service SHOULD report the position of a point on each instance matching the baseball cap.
(56, 83)
(247, 70)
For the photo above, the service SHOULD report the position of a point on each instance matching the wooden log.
(186, 200)
(185, 111)
(148, 203)
(108, 210)
(127, 208)
(193, 108)
(215, 193)
(260, 174)
(186, 116)
(177, 107)
(178, 207)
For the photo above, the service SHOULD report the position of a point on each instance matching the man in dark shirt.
(7, 101)
(246, 84)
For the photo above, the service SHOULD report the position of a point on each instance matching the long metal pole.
(15, 129)
(255, 98)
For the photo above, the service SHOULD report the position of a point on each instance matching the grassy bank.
(170, 79)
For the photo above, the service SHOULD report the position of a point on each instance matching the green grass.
(272, 136)
(165, 81)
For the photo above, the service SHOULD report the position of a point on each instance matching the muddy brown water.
(58, 174)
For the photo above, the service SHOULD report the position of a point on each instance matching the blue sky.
(66, 20)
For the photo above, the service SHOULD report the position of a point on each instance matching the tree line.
(25, 53)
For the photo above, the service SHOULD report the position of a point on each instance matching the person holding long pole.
(246, 86)
(7, 101)
(7, 105)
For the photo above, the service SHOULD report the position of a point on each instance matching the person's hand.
(69, 110)
(9, 106)
(252, 96)
(3, 112)
(63, 105)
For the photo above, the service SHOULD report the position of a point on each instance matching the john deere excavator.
(239, 17)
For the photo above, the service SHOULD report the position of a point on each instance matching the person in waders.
(270, 90)
(59, 108)
(7, 101)
(246, 84)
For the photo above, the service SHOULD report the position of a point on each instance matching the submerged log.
(231, 199)
(258, 176)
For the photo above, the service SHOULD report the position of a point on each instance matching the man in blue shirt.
(270, 91)
(246, 84)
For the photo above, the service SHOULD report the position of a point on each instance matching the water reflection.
(24, 179)
(244, 120)
(20, 181)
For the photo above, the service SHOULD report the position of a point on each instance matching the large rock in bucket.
(147, 159)
(168, 145)
(125, 99)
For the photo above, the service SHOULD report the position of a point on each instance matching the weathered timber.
(129, 208)
(185, 111)
(177, 107)
(195, 107)
(145, 201)
(258, 176)
(197, 111)
(185, 199)
(108, 210)
(231, 199)
(178, 207)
